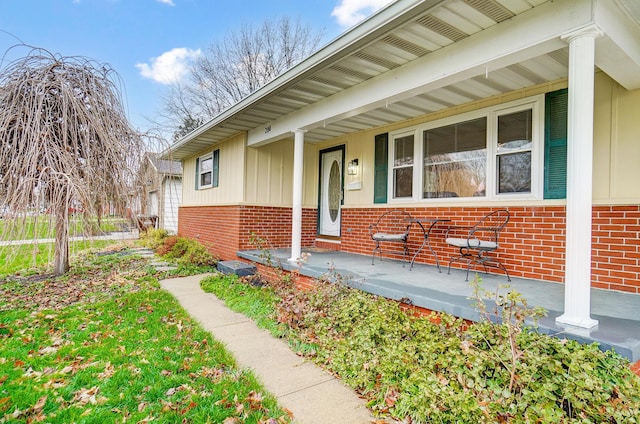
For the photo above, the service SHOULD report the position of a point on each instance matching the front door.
(330, 191)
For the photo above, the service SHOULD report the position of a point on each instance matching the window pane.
(403, 151)
(206, 164)
(514, 173)
(514, 152)
(205, 179)
(455, 160)
(403, 182)
(514, 131)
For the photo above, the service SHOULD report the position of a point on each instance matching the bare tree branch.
(235, 67)
(64, 142)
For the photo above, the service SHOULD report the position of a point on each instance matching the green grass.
(29, 227)
(29, 258)
(104, 344)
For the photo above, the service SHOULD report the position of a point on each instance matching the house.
(160, 183)
(442, 108)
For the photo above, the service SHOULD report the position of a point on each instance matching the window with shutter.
(207, 170)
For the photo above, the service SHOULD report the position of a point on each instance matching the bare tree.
(65, 145)
(237, 66)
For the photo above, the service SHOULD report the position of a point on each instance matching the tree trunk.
(61, 257)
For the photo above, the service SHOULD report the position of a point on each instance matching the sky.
(150, 42)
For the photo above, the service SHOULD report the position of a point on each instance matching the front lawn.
(105, 344)
(439, 369)
(42, 226)
(29, 258)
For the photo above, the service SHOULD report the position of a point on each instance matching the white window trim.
(391, 158)
(199, 170)
(535, 103)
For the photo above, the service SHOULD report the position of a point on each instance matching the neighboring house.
(161, 190)
(443, 108)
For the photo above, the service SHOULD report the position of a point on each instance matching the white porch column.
(296, 212)
(577, 291)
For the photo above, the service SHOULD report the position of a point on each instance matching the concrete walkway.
(310, 393)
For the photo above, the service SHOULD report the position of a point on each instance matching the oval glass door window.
(334, 191)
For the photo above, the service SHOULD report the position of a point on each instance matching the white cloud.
(350, 12)
(170, 66)
(169, 2)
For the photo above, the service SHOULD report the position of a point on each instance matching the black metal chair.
(392, 227)
(474, 242)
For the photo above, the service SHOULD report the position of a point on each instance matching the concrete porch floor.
(618, 314)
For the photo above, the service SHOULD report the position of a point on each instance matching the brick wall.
(531, 246)
(226, 229)
(615, 251)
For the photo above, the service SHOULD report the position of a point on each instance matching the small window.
(403, 166)
(207, 170)
(514, 152)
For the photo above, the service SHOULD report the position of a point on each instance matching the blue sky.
(147, 42)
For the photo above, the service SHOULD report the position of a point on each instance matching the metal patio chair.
(474, 242)
(391, 227)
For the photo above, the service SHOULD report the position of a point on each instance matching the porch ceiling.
(400, 34)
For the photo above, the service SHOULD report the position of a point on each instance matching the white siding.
(172, 198)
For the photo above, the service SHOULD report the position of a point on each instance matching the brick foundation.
(531, 246)
(224, 230)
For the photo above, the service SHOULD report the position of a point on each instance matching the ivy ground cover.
(434, 369)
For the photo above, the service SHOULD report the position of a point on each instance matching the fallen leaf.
(168, 406)
(86, 396)
(391, 397)
(188, 408)
(255, 399)
(39, 406)
(108, 372)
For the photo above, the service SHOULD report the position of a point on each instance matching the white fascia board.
(526, 36)
(618, 51)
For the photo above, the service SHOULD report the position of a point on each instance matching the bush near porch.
(438, 369)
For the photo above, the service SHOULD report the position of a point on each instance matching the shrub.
(167, 245)
(188, 251)
(153, 238)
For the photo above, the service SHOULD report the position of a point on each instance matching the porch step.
(328, 244)
(239, 268)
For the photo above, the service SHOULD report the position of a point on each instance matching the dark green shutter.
(197, 173)
(555, 145)
(381, 161)
(215, 167)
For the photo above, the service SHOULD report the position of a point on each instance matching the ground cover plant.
(438, 369)
(103, 343)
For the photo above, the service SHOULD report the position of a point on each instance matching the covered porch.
(617, 313)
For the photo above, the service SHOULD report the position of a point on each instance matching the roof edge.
(357, 36)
